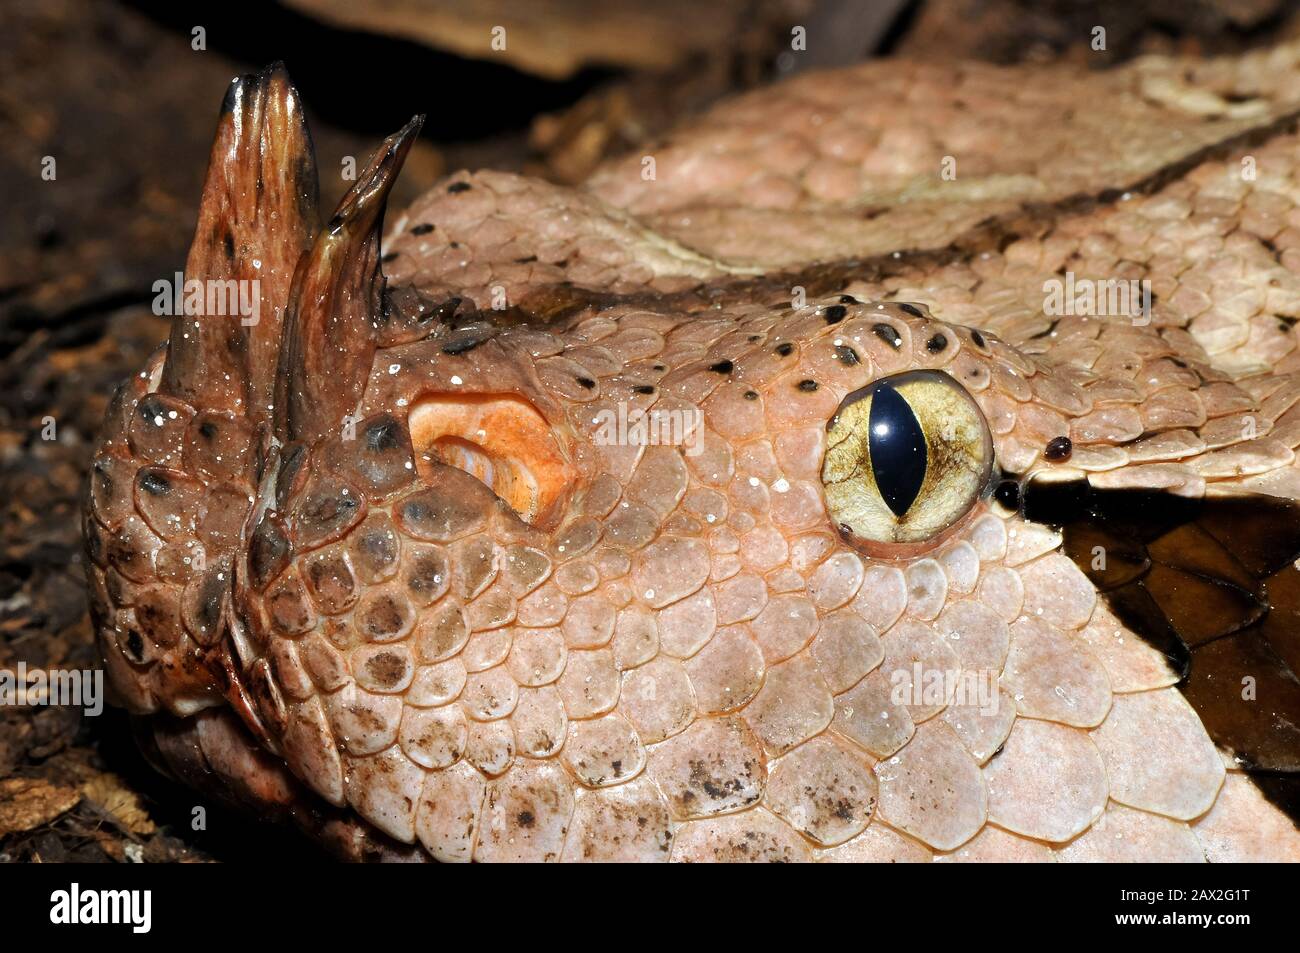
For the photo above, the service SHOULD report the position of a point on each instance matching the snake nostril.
(501, 440)
(510, 480)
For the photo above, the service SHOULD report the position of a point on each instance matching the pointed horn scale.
(257, 217)
(330, 330)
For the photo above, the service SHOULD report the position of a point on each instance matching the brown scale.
(158, 429)
(219, 446)
(375, 548)
(1212, 583)
(379, 458)
(169, 500)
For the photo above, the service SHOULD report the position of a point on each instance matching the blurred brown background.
(122, 101)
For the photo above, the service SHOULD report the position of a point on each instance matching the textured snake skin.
(672, 653)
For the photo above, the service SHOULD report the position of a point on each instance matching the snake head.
(652, 565)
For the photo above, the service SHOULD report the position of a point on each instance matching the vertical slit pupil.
(898, 452)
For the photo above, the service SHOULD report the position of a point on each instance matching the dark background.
(118, 96)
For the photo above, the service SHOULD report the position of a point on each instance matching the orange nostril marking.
(502, 440)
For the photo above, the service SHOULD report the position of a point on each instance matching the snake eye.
(906, 459)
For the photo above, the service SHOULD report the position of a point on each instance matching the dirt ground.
(115, 99)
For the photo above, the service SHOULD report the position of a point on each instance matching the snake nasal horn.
(257, 216)
(337, 296)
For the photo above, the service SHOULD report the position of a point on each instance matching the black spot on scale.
(722, 367)
(154, 483)
(911, 309)
(888, 333)
(785, 349)
(207, 430)
(1046, 332)
(978, 339)
(150, 408)
(835, 313)
(417, 511)
(807, 386)
(1058, 449)
(754, 338)
(106, 479)
(383, 435)
(847, 356)
(643, 389)
(389, 257)
(424, 228)
(936, 344)
(897, 446)
(849, 299)
(456, 187)
(586, 382)
(751, 395)
(229, 242)
(463, 345)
